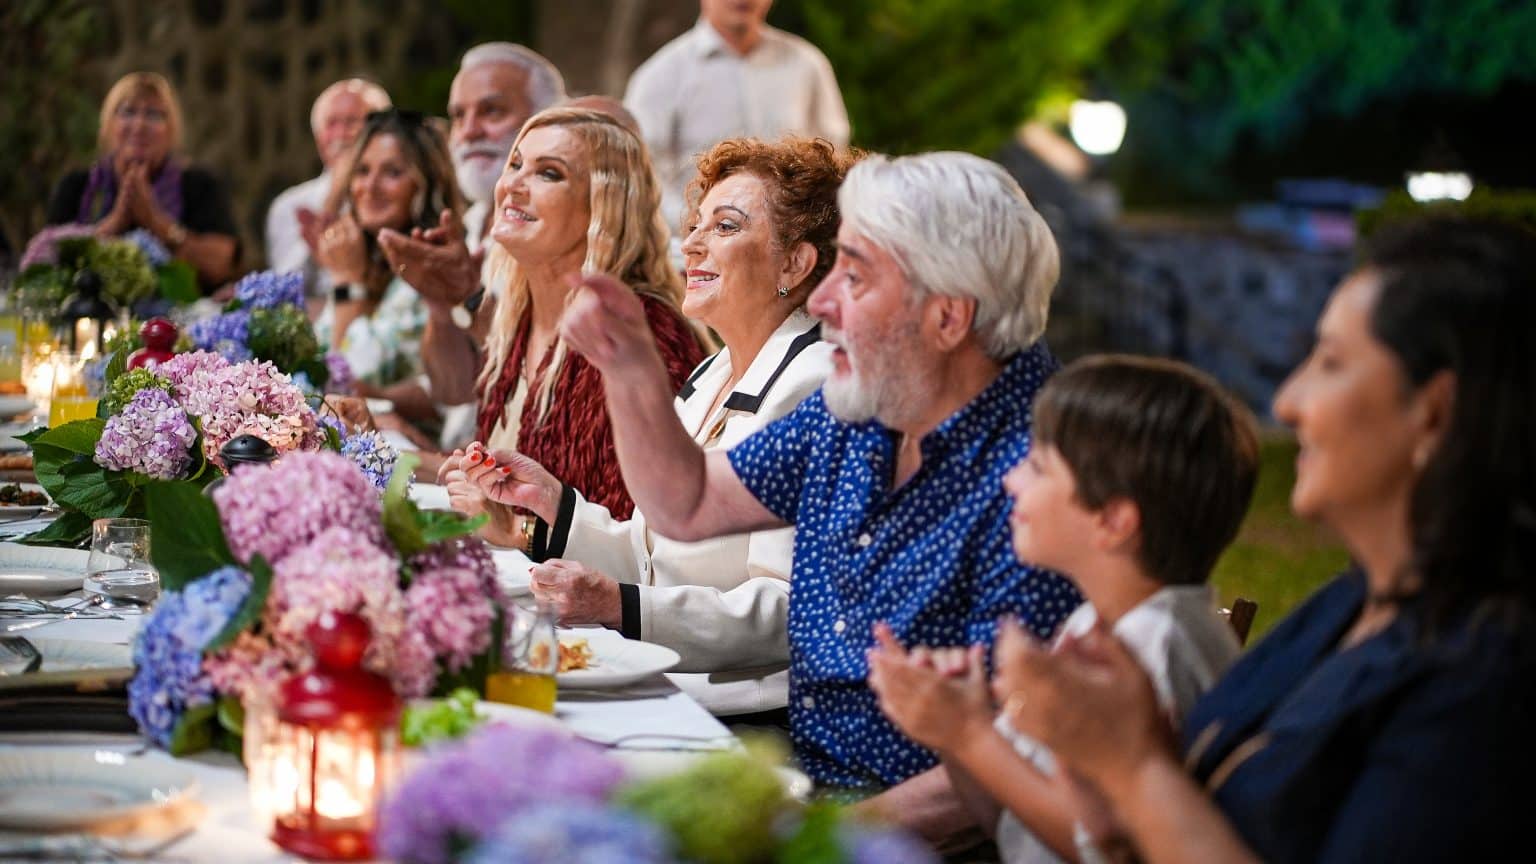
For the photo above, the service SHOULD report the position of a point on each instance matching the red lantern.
(159, 336)
(335, 747)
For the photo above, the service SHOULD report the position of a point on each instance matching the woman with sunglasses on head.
(1389, 718)
(399, 176)
(141, 182)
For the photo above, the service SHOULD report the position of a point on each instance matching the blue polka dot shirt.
(932, 558)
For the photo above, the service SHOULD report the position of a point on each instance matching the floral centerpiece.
(247, 570)
(169, 423)
(134, 268)
(266, 321)
(568, 801)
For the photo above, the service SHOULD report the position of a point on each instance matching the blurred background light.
(1097, 127)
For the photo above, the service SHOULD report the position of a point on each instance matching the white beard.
(478, 184)
(850, 401)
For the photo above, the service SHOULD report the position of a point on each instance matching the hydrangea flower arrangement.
(568, 801)
(266, 321)
(134, 268)
(315, 536)
(170, 423)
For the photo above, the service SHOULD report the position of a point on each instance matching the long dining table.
(649, 725)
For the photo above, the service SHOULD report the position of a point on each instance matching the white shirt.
(383, 348)
(722, 604)
(1183, 644)
(697, 91)
(286, 250)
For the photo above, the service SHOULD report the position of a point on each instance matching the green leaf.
(116, 365)
(71, 530)
(250, 610)
(815, 841)
(231, 715)
(439, 525)
(178, 283)
(193, 730)
(77, 436)
(400, 513)
(186, 540)
(76, 482)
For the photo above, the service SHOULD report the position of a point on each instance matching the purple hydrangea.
(192, 371)
(341, 380)
(266, 289)
(225, 334)
(328, 421)
(467, 788)
(597, 835)
(43, 248)
(276, 509)
(370, 452)
(150, 245)
(151, 435)
(168, 651)
(884, 846)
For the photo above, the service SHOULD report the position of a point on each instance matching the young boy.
(1139, 475)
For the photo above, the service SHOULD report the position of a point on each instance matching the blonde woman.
(577, 195)
(140, 181)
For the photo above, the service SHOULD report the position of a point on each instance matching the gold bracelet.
(527, 531)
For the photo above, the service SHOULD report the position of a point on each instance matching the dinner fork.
(72, 613)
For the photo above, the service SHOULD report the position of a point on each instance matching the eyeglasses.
(148, 115)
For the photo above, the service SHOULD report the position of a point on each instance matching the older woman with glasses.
(141, 182)
(399, 176)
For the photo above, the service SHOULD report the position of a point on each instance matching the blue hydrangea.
(224, 334)
(884, 846)
(266, 290)
(150, 245)
(574, 835)
(371, 453)
(168, 651)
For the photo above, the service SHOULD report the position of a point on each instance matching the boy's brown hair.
(1167, 437)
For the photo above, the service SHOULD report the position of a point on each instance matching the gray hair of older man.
(959, 226)
(546, 86)
(372, 95)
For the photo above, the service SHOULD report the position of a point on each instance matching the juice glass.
(74, 394)
(523, 668)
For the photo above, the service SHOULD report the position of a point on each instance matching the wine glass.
(523, 666)
(119, 570)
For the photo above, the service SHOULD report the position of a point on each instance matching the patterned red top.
(575, 439)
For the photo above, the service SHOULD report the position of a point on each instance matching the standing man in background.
(294, 220)
(730, 75)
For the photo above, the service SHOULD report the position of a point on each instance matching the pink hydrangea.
(43, 248)
(452, 614)
(252, 667)
(252, 398)
(273, 510)
(192, 371)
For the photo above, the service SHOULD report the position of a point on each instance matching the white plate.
(616, 661)
(512, 568)
(72, 661)
(14, 512)
(430, 496)
(380, 406)
(40, 570)
(12, 404)
(55, 789)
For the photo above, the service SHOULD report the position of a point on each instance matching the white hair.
(372, 95)
(959, 226)
(545, 85)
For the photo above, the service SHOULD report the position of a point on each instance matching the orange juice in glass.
(524, 665)
(73, 396)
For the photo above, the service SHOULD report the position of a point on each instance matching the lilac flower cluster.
(274, 510)
(225, 334)
(266, 290)
(374, 455)
(151, 436)
(43, 248)
(154, 251)
(452, 614)
(469, 787)
(194, 370)
(602, 835)
(341, 378)
(168, 651)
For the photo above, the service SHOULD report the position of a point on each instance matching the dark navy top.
(1395, 749)
(932, 558)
